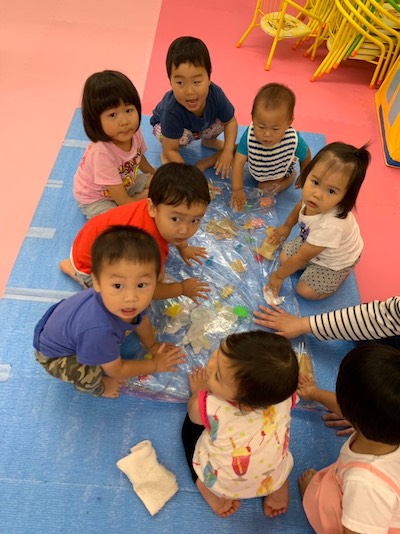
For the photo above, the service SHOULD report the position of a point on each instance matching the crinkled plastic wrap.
(236, 274)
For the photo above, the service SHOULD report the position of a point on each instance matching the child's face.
(325, 186)
(220, 376)
(176, 224)
(270, 124)
(120, 124)
(190, 86)
(126, 288)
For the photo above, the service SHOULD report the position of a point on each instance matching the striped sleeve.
(374, 320)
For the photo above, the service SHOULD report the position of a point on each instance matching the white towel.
(152, 482)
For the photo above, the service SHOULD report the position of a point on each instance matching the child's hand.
(195, 289)
(332, 420)
(224, 164)
(167, 359)
(306, 387)
(279, 235)
(238, 200)
(165, 347)
(193, 253)
(197, 379)
(274, 284)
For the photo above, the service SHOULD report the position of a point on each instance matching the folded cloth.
(152, 482)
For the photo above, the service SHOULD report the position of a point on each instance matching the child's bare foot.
(111, 387)
(214, 143)
(207, 163)
(276, 503)
(67, 268)
(197, 379)
(219, 505)
(304, 480)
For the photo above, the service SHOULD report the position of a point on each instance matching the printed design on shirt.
(240, 459)
(210, 475)
(128, 172)
(214, 423)
(267, 485)
(303, 231)
(270, 425)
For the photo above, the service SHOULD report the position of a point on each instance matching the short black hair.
(339, 153)
(128, 243)
(188, 50)
(264, 365)
(105, 90)
(273, 95)
(179, 183)
(368, 391)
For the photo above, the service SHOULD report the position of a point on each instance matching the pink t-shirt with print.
(105, 164)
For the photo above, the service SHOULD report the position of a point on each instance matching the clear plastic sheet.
(236, 274)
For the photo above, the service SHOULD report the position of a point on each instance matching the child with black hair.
(108, 175)
(360, 493)
(195, 108)
(329, 243)
(178, 199)
(270, 146)
(78, 340)
(236, 432)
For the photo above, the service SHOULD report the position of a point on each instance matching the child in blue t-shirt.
(195, 108)
(78, 340)
(270, 145)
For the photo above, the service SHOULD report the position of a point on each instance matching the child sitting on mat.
(270, 145)
(108, 175)
(195, 108)
(236, 433)
(178, 199)
(78, 340)
(360, 492)
(329, 245)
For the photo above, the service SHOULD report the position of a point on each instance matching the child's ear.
(151, 207)
(96, 285)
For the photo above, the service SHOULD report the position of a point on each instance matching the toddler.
(78, 340)
(195, 108)
(360, 493)
(270, 145)
(108, 172)
(178, 199)
(236, 433)
(329, 244)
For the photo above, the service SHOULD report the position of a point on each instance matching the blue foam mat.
(59, 447)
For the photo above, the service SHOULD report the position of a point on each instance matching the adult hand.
(332, 420)
(285, 324)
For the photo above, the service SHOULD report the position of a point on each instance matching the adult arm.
(373, 320)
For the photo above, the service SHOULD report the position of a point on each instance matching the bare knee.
(305, 291)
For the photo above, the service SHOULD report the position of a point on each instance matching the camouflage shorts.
(85, 378)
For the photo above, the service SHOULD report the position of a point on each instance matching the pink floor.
(48, 49)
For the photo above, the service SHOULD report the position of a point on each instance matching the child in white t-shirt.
(236, 433)
(329, 244)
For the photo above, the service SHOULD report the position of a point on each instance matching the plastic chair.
(273, 18)
(382, 24)
(361, 34)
